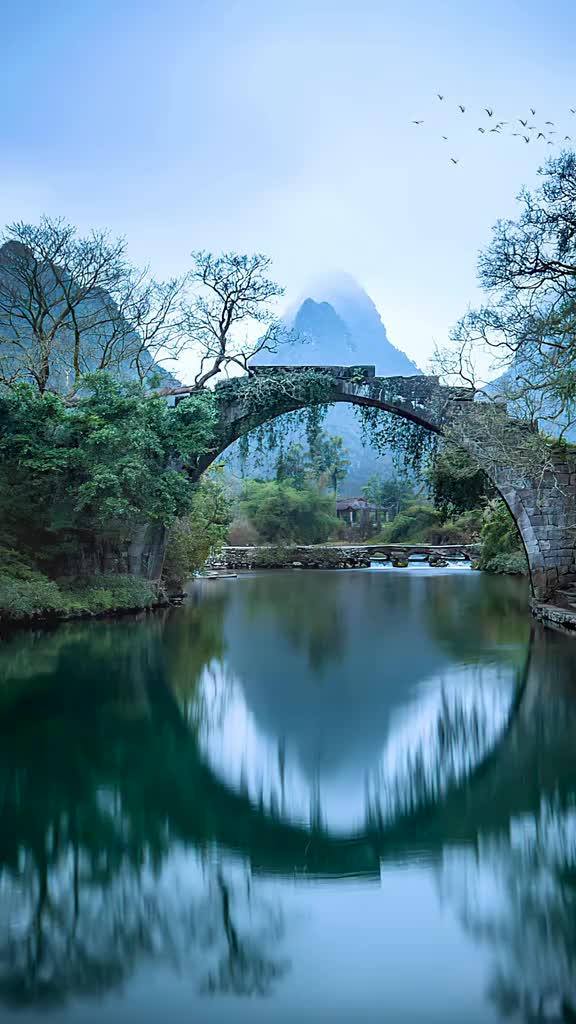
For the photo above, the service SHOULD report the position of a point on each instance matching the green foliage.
(513, 563)
(502, 549)
(330, 460)
(412, 446)
(201, 532)
(282, 513)
(76, 480)
(266, 395)
(390, 494)
(292, 466)
(324, 463)
(409, 525)
(422, 524)
(36, 596)
(456, 483)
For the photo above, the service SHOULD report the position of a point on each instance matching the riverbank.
(35, 599)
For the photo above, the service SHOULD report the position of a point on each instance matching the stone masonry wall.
(293, 556)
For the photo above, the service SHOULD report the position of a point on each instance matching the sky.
(285, 127)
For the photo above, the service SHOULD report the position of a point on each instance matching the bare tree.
(70, 305)
(229, 318)
(528, 323)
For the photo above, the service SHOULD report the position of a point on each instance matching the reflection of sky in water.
(345, 694)
(448, 725)
(148, 913)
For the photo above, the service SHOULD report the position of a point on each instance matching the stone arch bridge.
(542, 500)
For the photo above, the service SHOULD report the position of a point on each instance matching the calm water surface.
(304, 796)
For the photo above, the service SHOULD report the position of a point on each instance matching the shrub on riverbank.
(201, 533)
(31, 595)
(501, 550)
(422, 524)
(511, 564)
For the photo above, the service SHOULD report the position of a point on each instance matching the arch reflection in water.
(325, 709)
(124, 845)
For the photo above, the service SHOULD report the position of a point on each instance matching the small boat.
(218, 576)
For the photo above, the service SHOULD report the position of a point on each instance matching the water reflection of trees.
(528, 918)
(91, 879)
(309, 610)
(89, 861)
(516, 892)
(489, 613)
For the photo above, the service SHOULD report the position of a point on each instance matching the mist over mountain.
(336, 323)
(368, 342)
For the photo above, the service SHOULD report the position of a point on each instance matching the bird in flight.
(439, 96)
(453, 159)
(417, 122)
(567, 137)
(540, 136)
(445, 137)
(489, 111)
(526, 138)
(548, 122)
(572, 111)
(483, 130)
(461, 107)
(532, 111)
(523, 123)
(497, 130)
(549, 143)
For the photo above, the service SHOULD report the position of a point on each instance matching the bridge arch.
(543, 504)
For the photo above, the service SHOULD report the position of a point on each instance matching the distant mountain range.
(336, 323)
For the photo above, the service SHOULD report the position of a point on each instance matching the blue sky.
(285, 127)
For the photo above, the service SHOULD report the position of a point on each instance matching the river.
(302, 796)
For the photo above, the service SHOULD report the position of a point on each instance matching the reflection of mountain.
(340, 325)
(327, 660)
(115, 871)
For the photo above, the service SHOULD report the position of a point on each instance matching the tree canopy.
(282, 513)
(527, 323)
(76, 479)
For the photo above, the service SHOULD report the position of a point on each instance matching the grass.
(33, 596)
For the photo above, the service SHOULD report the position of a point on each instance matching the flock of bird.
(525, 131)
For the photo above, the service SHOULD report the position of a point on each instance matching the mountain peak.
(340, 324)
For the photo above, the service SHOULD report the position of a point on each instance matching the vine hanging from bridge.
(412, 446)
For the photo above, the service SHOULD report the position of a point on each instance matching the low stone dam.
(342, 556)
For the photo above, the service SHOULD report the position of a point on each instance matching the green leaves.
(280, 512)
(71, 475)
